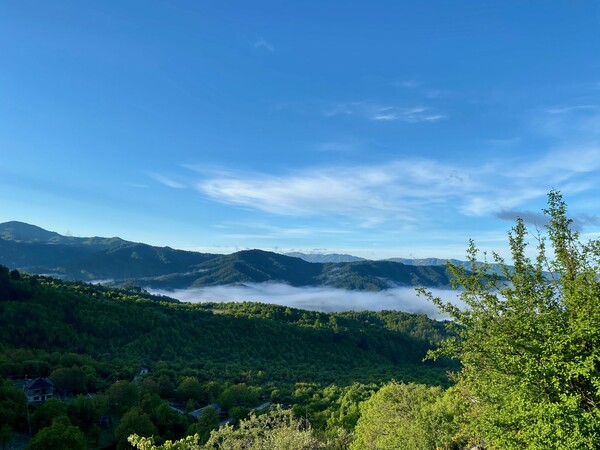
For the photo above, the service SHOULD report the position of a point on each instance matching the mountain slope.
(35, 250)
(25, 233)
(427, 261)
(325, 258)
(257, 266)
(134, 260)
(377, 275)
(223, 341)
(39, 257)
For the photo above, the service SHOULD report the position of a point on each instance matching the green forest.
(517, 368)
(92, 342)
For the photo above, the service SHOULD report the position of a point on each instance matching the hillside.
(118, 262)
(325, 258)
(219, 340)
(25, 233)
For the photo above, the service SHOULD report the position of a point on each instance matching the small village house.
(38, 390)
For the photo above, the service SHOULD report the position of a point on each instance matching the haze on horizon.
(386, 130)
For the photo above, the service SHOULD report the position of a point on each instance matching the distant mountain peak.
(24, 232)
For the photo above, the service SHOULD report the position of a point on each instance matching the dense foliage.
(242, 342)
(529, 343)
(90, 339)
(278, 430)
(416, 416)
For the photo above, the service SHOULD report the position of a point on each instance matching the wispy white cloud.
(438, 93)
(138, 185)
(264, 231)
(421, 88)
(348, 145)
(575, 121)
(560, 110)
(368, 193)
(300, 194)
(408, 189)
(384, 113)
(343, 109)
(409, 115)
(563, 164)
(167, 181)
(540, 220)
(407, 84)
(263, 44)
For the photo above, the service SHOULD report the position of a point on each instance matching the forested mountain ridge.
(325, 258)
(221, 340)
(36, 250)
(118, 262)
(27, 233)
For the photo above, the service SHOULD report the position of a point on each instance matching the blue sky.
(374, 128)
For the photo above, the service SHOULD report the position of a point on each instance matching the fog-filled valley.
(319, 298)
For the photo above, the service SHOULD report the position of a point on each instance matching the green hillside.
(220, 340)
(25, 233)
(133, 260)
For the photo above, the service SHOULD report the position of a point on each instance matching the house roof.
(198, 412)
(39, 383)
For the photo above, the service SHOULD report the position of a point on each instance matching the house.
(222, 412)
(143, 372)
(38, 389)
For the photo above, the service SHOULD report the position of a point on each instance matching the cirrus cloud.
(408, 188)
(384, 113)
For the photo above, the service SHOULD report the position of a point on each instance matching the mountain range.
(119, 262)
(325, 258)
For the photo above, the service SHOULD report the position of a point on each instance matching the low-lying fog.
(317, 298)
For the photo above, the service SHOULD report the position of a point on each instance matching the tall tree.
(406, 416)
(528, 340)
(60, 435)
(47, 412)
(13, 404)
(133, 422)
(208, 421)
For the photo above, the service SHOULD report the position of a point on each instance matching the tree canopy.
(528, 340)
